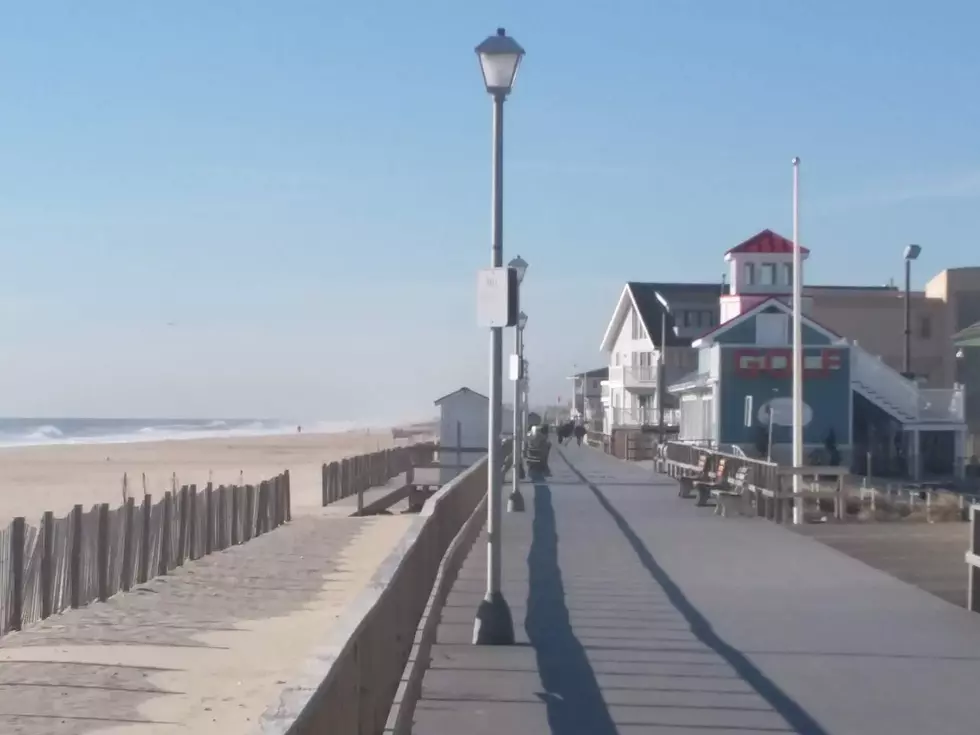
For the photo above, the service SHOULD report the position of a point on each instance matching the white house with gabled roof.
(652, 322)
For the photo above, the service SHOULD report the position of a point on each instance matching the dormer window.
(788, 274)
(749, 274)
(767, 274)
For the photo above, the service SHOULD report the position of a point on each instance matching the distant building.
(587, 397)
(651, 322)
(464, 417)
(656, 319)
(852, 398)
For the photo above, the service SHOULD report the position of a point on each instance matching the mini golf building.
(852, 400)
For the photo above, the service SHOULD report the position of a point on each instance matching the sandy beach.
(56, 477)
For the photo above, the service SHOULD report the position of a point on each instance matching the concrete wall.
(876, 319)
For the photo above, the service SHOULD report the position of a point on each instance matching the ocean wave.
(46, 431)
(27, 432)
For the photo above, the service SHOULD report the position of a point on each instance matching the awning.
(969, 337)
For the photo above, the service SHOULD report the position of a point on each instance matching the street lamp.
(911, 253)
(515, 503)
(500, 56)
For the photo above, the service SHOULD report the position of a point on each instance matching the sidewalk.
(637, 612)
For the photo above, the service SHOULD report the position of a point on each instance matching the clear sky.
(253, 208)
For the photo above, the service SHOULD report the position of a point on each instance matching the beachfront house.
(652, 323)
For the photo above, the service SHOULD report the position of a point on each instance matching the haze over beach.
(57, 463)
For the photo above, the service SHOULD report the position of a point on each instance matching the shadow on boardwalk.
(572, 694)
(796, 717)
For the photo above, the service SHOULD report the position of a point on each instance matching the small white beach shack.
(464, 418)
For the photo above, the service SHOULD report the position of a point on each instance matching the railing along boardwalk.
(88, 556)
(353, 475)
(350, 684)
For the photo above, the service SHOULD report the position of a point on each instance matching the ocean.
(22, 432)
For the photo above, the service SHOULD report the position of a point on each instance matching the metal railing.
(941, 404)
(904, 396)
(350, 684)
(636, 417)
(973, 562)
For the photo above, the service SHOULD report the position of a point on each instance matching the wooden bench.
(685, 483)
(725, 498)
(714, 481)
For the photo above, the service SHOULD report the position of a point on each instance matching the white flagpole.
(797, 346)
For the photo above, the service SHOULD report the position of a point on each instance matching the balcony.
(622, 418)
(634, 377)
(941, 404)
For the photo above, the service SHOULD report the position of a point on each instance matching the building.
(464, 418)
(853, 400)
(587, 397)
(652, 324)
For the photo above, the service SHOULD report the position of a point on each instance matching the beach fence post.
(247, 527)
(47, 564)
(236, 512)
(208, 519)
(75, 557)
(324, 484)
(276, 509)
(192, 539)
(143, 569)
(222, 509)
(163, 563)
(102, 553)
(16, 557)
(182, 527)
(288, 497)
(128, 511)
(263, 513)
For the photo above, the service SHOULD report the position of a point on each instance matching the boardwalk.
(638, 613)
(204, 650)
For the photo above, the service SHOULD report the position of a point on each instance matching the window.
(749, 274)
(925, 328)
(771, 329)
(788, 274)
(688, 318)
(767, 274)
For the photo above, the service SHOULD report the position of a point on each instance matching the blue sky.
(302, 188)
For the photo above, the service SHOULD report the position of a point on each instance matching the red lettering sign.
(778, 363)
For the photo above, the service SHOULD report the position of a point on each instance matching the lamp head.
(500, 56)
(519, 265)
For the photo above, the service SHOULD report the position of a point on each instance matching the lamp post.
(515, 503)
(911, 253)
(797, 347)
(500, 56)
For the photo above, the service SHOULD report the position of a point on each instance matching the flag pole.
(797, 347)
